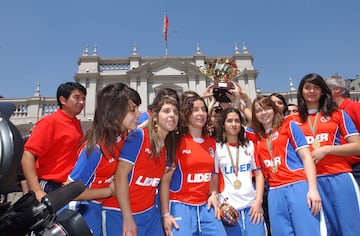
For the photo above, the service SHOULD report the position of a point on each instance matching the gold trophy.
(229, 215)
(221, 71)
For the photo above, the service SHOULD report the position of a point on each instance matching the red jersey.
(328, 131)
(352, 108)
(54, 141)
(147, 171)
(276, 153)
(97, 168)
(194, 166)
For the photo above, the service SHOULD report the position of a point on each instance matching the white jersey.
(243, 196)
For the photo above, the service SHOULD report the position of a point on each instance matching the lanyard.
(269, 145)
(313, 126)
(232, 160)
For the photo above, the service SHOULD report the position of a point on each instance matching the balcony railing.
(30, 110)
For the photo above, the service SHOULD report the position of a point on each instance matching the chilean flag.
(165, 27)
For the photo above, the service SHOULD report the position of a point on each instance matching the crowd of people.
(194, 165)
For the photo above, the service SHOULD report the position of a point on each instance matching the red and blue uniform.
(283, 169)
(190, 186)
(338, 188)
(143, 181)
(96, 170)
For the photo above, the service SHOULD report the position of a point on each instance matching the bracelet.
(165, 215)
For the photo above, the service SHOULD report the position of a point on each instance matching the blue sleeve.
(297, 136)
(349, 124)
(86, 166)
(132, 146)
(144, 116)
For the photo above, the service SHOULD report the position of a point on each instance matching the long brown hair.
(265, 101)
(186, 109)
(111, 109)
(172, 138)
(221, 138)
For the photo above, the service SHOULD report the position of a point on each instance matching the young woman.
(280, 102)
(193, 208)
(236, 160)
(115, 114)
(142, 163)
(323, 124)
(283, 153)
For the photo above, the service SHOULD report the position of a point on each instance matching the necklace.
(269, 145)
(235, 166)
(315, 144)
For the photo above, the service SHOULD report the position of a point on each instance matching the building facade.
(147, 75)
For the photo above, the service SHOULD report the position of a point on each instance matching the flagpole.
(165, 31)
(166, 48)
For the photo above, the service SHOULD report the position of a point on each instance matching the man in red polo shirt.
(341, 96)
(50, 152)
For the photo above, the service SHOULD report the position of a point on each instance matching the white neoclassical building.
(147, 75)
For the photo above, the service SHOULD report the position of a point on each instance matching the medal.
(235, 166)
(237, 184)
(315, 144)
(275, 169)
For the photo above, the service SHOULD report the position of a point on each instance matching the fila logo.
(147, 181)
(186, 151)
(147, 150)
(111, 160)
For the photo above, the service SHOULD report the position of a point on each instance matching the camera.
(27, 215)
(221, 90)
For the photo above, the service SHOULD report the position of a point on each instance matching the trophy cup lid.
(221, 70)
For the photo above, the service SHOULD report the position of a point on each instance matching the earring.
(156, 128)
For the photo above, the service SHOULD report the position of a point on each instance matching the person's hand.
(256, 213)
(314, 201)
(129, 227)
(39, 194)
(319, 153)
(169, 222)
(112, 188)
(208, 93)
(236, 90)
(213, 202)
(210, 129)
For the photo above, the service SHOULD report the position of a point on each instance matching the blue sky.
(41, 40)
